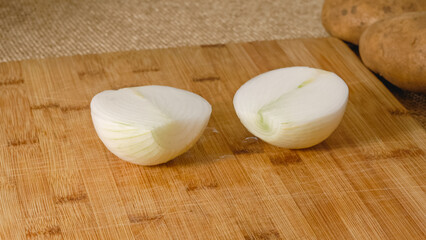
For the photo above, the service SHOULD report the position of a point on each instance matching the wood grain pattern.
(57, 180)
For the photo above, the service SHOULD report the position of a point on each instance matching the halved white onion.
(149, 125)
(295, 107)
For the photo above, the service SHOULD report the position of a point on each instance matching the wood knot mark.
(268, 235)
(218, 45)
(414, 152)
(49, 231)
(248, 150)
(149, 69)
(387, 9)
(414, 41)
(194, 186)
(398, 112)
(205, 79)
(20, 142)
(63, 108)
(395, 154)
(285, 159)
(89, 73)
(241, 151)
(76, 197)
(139, 218)
(44, 106)
(12, 82)
(74, 108)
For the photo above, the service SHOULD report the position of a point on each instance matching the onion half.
(149, 125)
(295, 107)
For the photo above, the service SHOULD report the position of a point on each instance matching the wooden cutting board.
(57, 180)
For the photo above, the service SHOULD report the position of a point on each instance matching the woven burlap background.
(57, 28)
(50, 28)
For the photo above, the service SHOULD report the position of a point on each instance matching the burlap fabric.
(46, 28)
(35, 29)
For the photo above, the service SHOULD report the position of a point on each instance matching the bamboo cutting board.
(57, 180)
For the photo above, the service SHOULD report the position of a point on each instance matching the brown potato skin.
(396, 49)
(347, 19)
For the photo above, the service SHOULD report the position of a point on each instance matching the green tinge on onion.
(295, 107)
(149, 125)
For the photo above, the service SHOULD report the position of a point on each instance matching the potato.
(396, 49)
(347, 19)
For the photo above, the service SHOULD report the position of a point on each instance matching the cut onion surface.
(149, 125)
(295, 107)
